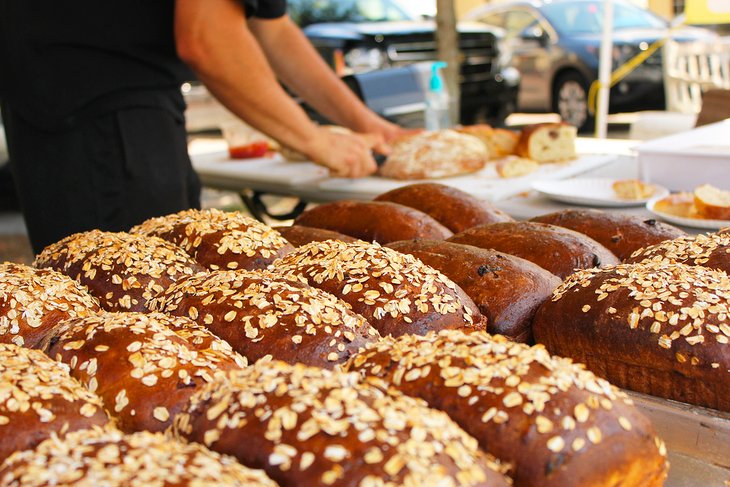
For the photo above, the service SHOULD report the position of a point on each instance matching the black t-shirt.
(63, 60)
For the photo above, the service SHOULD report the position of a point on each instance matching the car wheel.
(570, 101)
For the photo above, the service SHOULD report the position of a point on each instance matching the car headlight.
(504, 56)
(363, 59)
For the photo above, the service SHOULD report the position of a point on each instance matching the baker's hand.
(384, 132)
(346, 155)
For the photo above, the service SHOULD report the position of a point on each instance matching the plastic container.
(437, 115)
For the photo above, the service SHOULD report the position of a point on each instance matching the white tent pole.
(604, 70)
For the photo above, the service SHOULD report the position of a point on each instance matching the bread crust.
(370, 221)
(558, 424)
(710, 250)
(620, 233)
(299, 235)
(651, 327)
(506, 289)
(556, 249)
(455, 209)
(539, 141)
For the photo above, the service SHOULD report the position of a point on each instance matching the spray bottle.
(437, 100)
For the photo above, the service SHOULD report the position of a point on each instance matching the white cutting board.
(274, 169)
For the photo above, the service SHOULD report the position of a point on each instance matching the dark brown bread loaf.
(108, 457)
(142, 369)
(395, 292)
(38, 398)
(507, 289)
(557, 423)
(33, 301)
(377, 221)
(122, 270)
(455, 209)
(711, 250)
(309, 426)
(261, 314)
(660, 329)
(557, 249)
(620, 233)
(219, 239)
(299, 235)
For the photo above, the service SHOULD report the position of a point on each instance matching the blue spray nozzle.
(437, 84)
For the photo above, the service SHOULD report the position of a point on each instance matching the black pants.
(109, 173)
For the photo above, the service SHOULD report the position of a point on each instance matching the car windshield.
(587, 17)
(305, 12)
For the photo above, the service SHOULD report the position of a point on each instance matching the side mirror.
(534, 34)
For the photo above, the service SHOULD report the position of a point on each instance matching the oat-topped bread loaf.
(106, 457)
(143, 370)
(299, 235)
(557, 249)
(556, 422)
(660, 329)
(455, 209)
(620, 233)
(547, 142)
(262, 314)
(219, 239)
(38, 397)
(309, 426)
(431, 155)
(708, 250)
(33, 301)
(500, 142)
(377, 221)
(122, 270)
(507, 289)
(395, 292)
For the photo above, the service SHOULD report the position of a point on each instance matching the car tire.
(570, 100)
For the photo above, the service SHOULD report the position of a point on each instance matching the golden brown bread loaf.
(261, 314)
(506, 289)
(557, 249)
(395, 292)
(38, 398)
(660, 329)
(33, 301)
(547, 142)
(435, 154)
(219, 239)
(455, 209)
(557, 423)
(299, 235)
(122, 270)
(377, 221)
(708, 250)
(106, 457)
(620, 233)
(142, 369)
(309, 426)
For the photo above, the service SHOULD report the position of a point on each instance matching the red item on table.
(254, 149)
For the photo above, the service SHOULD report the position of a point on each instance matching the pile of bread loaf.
(414, 340)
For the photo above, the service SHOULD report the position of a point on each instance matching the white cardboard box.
(683, 161)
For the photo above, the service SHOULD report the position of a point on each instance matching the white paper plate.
(686, 222)
(590, 191)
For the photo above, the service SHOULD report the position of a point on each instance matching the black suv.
(357, 36)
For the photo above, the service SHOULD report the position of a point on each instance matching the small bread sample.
(219, 239)
(556, 249)
(122, 270)
(395, 292)
(309, 426)
(38, 398)
(438, 154)
(139, 365)
(556, 423)
(653, 327)
(261, 314)
(712, 203)
(633, 189)
(373, 221)
(515, 167)
(455, 209)
(678, 204)
(547, 142)
(500, 142)
(107, 457)
(299, 235)
(33, 301)
(708, 250)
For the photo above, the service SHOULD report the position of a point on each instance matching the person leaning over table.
(94, 116)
